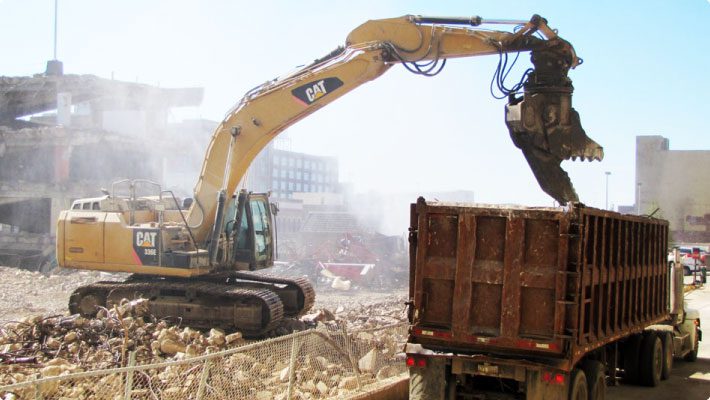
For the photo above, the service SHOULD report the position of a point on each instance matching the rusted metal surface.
(547, 282)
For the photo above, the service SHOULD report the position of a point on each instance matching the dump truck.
(541, 303)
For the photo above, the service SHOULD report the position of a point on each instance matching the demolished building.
(64, 137)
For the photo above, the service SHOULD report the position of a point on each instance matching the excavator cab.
(250, 232)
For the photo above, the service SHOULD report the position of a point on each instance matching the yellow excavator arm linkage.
(371, 49)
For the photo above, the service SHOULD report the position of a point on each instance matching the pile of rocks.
(55, 343)
(59, 344)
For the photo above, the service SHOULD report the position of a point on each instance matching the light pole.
(55, 27)
(607, 173)
(638, 199)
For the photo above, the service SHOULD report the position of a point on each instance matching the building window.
(290, 174)
(290, 186)
(299, 187)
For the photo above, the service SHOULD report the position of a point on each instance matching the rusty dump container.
(549, 282)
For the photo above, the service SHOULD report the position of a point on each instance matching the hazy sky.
(645, 72)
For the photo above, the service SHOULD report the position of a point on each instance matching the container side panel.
(538, 314)
(443, 231)
(438, 270)
(486, 301)
(541, 243)
(490, 239)
(623, 277)
(538, 278)
(487, 276)
(438, 303)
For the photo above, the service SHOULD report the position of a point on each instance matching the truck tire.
(632, 348)
(651, 360)
(596, 379)
(667, 343)
(428, 382)
(693, 353)
(578, 389)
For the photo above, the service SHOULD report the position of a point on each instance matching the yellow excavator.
(198, 261)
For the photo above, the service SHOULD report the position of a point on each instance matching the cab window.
(243, 232)
(86, 206)
(76, 206)
(260, 219)
(95, 206)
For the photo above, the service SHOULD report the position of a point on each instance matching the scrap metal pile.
(344, 262)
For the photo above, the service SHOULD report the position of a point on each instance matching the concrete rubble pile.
(67, 344)
(37, 346)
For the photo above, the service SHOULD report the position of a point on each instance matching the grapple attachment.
(543, 124)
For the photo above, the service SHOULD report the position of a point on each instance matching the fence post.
(292, 367)
(203, 379)
(129, 376)
(348, 349)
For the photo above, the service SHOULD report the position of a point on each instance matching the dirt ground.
(24, 293)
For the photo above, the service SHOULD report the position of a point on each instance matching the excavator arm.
(541, 122)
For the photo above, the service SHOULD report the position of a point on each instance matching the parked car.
(689, 263)
(694, 252)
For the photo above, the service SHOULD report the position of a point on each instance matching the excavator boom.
(542, 122)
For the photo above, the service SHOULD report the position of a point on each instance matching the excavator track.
(296, 294)
(199, 304)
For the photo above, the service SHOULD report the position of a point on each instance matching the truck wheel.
(578, 389)
(596, 379)
(693, 354)
(651, 360)
(632, 347)
(667, 343)
(428, 382)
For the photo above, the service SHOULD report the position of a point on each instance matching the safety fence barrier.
(327, 362)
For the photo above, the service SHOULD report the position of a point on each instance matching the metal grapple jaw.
(548, 134)
(543, 124)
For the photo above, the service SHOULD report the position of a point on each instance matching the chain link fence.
(328, 362)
